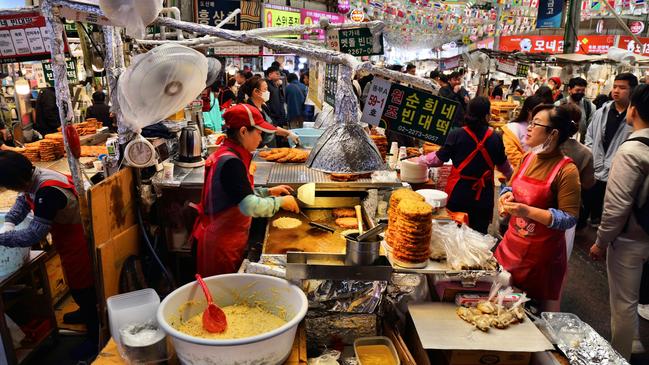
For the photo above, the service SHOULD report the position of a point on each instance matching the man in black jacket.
(47, 112)
(454, 91)
(99, 110)
(277, 100)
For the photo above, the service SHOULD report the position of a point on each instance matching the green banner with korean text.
(70, 66)
(358, 42)
(410, 112)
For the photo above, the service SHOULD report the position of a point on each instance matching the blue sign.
(550, 14)
(212, 12)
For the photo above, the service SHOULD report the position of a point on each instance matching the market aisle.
(586, 292)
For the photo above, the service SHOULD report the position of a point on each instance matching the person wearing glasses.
(543, 202)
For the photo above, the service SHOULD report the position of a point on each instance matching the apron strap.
(480, 182)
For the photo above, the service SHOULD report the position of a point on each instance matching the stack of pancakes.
(285, 155)
(381, 143)
(32, 151)
(47, 150)
(411, 233)
(396, 198)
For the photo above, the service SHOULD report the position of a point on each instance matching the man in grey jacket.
(606, 132)
(619, 236)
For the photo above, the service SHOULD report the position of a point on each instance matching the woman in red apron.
(543, 203)
(52, 198)
(475, 151)
(229, 200)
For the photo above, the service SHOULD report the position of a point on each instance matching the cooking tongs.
(306, 195)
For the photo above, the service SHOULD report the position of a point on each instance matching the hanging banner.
(550, 14)
(72, 31)
(356, 42)
(316, 82)
(331, 84)
(212, 12)
(626, 42)
(280, 16)
(310, 17)
(522, 70)
(409, 112)
(23, 37)
(592, 44)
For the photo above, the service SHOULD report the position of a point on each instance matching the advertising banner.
(280, 16)
(550, 14)
(212, 12)
(309, 17)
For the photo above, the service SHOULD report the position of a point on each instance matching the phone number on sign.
(418, 134)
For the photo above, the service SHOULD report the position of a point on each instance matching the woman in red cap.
(229, 199)
(555, 84)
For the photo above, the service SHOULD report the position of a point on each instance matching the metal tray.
(323, 266)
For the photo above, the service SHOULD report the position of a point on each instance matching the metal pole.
(572, 26)
(63, 99)
(499, 13)
(114, 66)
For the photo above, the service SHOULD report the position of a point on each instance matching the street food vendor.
(229, 200)
(52, 198)
(475, 151)
(256, 89)
(543, 203)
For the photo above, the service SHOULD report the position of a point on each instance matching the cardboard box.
(56, 279)
(472, 357)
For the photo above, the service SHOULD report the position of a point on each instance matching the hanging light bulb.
(22, 86)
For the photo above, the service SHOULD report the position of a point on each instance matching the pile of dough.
(287, 223)
(488, 314)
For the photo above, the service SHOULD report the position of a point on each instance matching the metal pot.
(361, 253)
(190, 146)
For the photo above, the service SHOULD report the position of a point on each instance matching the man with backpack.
(577, 91)
(623, 234)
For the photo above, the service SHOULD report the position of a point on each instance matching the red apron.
(70, 242)
(534, 254)
(456, 173)
(221, 237)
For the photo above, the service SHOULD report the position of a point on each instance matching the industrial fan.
(478, 61)
(156, 85)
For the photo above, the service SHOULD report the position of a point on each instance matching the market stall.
(429, 286)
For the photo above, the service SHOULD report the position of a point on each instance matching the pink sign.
(309, 17)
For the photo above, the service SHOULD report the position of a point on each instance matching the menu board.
(331, 83)
(408, 111)
(23, 37)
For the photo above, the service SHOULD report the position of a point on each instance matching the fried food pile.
(409, 228)
(488, 314)
(285, 155)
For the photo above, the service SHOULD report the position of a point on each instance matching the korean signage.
(240, 50)
(280, 16)
(522, 70)
(331, 84)
(212, 12)
(636, 26)
(550, 14)
(72, 31)
(626, 42)
(408, 111)
(23, 37)
(507, 66)
(310, 17)
(450, 63)
(593, 44)
(70, 66)
(356, 42)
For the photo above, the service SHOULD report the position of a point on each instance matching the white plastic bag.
(465, 248)
(134, 15)
(159, 83)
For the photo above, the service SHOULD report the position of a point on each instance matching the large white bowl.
(269, 348)
(436, 198)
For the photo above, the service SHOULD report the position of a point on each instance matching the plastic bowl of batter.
(275, 295)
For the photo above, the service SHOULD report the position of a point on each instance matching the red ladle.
(214, 320)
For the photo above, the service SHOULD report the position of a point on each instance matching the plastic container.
(13, 258)
(272, 347)
(373, 341)
(308, 136)
(137, 309)
(436, 198)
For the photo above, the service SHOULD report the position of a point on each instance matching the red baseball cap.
(244, 115)
(556, 80)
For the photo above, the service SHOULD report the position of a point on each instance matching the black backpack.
(642, 212)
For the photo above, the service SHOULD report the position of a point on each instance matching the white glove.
(7, 227)
(294, 138)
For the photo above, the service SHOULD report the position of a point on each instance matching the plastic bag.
(159, 83)
(329, 357)
(465, 248)
(134, 15)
